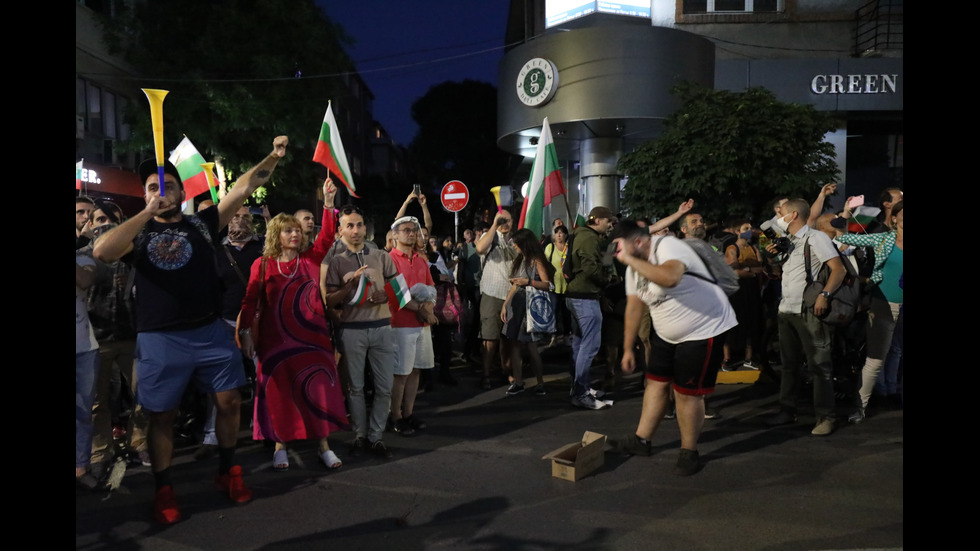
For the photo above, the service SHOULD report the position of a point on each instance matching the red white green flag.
(861, 217)
(544, 185)
(330, 151)
(78, 174)
(363, 291)
(397, 289)
(188, 162)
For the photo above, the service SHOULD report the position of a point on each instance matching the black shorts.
(692, 366)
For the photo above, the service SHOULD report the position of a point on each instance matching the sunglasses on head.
(350, 209)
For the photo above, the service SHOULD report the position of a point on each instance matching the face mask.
(99, 230)
(240, 231)
(746, 235)
(782, 224)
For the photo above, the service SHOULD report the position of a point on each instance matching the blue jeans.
(586, 338)
(888, 382)
(86, 373)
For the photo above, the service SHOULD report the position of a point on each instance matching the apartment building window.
(733, 6)
(100, 110)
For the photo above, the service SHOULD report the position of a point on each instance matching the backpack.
(723, 274)
(721, 241)
(845, 301)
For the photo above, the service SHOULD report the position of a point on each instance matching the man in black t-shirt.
(178, 304)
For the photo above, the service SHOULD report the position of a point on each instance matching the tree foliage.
(732, 152)
(239, 72)
(457, 140)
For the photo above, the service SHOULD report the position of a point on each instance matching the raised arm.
(426, 217)
(256, 177)
(816, 209)
(328, 231)
(665, 223)
(486, 240)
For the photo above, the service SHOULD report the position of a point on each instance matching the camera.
(782, 244)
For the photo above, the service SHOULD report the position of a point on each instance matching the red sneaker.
(234, 485)
(165, 506)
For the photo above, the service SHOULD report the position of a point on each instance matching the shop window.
(733, 6)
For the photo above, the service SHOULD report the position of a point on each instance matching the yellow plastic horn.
(496, 197)
(209, 174)
(156, 118)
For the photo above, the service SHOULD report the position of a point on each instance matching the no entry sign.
(454, 196)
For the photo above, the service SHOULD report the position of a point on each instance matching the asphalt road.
(475, 479)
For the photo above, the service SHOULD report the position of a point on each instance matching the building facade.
(612, 74)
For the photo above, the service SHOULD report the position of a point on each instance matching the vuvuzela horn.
(209, 174)
(156, 118)
(496, 197)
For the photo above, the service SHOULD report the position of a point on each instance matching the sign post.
(454, 198)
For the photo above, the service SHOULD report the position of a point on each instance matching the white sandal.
(280, 461)
(330, 460)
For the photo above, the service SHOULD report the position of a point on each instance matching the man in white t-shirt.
(690, 317)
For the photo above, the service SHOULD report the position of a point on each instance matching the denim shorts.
(168, 360)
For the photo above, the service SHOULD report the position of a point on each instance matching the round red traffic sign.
(454, 196)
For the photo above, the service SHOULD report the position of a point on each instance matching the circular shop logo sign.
(537, 82)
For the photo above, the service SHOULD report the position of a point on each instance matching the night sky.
(405, 47)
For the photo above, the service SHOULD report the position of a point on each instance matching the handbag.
(448, 304)
(845, 300)
(540, 310)
(254, 325)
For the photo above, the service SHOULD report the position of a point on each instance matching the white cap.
(404, 219)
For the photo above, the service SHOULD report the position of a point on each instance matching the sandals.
(280, 461)
(330, 460)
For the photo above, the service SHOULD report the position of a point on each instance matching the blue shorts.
(168, 360)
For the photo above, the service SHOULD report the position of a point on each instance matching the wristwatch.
(825, 294)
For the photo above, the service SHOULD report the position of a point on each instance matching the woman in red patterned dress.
(298, 391)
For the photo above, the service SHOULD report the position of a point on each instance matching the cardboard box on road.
(576, 460)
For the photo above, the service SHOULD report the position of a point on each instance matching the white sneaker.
(589, 402)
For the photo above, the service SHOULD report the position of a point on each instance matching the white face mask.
(782, 224)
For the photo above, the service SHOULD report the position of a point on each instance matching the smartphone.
(856, 201)
(257, 211)
(417, 190)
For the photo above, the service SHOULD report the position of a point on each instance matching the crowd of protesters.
(312, 325)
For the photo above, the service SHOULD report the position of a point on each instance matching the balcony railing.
(879, 28)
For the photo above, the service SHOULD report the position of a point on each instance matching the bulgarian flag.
(545, 183)
(861, 217)
(397, 289)
(579, 218)
(363, 291)
(330, 151)
(78, 174)
(188, 162)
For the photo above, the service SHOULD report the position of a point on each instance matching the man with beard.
(692, 226)
(178, 305)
